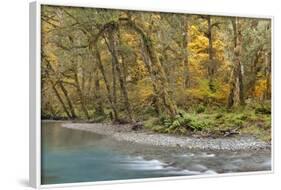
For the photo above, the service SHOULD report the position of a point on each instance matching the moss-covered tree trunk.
(211, 65)
(98, 100)
(253, 74)
(107, 85)
(157, 71)
(185, 52)
(236, 93)
(268, 75)
(147, 61)
(81, 95)
(69, 102)
(58, 96)
(65, 92)
(113, 45)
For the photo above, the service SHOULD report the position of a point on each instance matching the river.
(70, 156)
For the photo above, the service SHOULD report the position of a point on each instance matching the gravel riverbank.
(124, 133)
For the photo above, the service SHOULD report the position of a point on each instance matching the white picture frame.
(35, 94)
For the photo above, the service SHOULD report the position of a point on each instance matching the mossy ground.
(247, 120)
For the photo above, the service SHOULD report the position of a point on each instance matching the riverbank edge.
(125, 133)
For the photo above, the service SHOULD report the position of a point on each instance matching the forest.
(182, 74)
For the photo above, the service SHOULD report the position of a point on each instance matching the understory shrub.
(182, 123)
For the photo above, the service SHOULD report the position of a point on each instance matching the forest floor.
(148, 137)
(212, 123)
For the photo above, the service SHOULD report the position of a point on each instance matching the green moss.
(200, 109)
(151, 123)
(245, 119)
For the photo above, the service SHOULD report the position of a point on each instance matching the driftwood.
(137, 126)
(230, 132)
(219, 133)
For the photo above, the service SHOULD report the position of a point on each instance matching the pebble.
(124, 133)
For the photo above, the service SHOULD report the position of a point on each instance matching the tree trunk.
(159, 74)
(236, 95)
(71, 107)
(253, 74)
(65, 92)
(124, 68)
(109, 95)
(59, 97)
(157, 71)
(83, 79)
(89, 88)
(185, 52)
(211, 64)
(99, 104)
(114, 91)
(123, 84)
(240, 85)
(113, 73)
(156, 100)
(268, 75)
(156, 68)
(81, 95)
